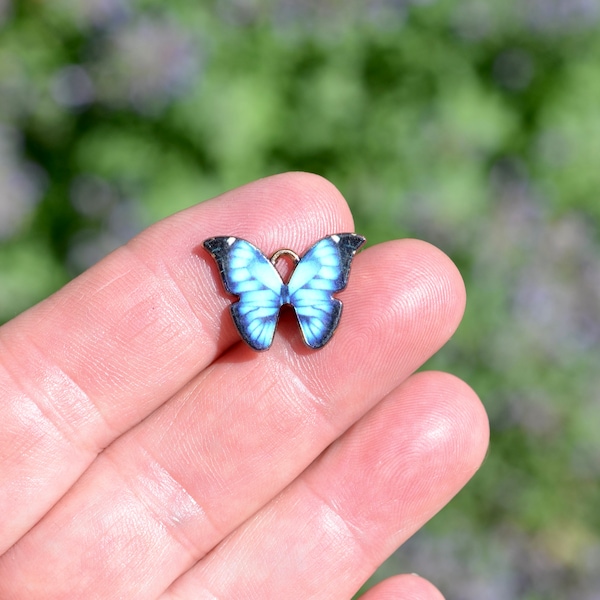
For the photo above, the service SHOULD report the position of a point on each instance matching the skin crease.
(145, 452)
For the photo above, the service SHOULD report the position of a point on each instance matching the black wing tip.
(352, 241)
(215, 245)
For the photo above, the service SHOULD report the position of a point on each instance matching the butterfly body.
(251, 276)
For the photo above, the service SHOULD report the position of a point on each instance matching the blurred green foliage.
(474, 125)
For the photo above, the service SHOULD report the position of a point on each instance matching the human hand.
(145, 452)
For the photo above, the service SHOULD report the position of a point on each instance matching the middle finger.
(164, 494)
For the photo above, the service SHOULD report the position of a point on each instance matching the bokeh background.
(473, 124)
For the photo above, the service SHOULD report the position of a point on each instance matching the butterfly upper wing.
(321, 272)
(247, 273)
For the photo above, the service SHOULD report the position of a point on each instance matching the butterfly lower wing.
(321, 272)
(247, 273)
(318, 320)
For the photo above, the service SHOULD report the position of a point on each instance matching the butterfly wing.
(321, 272)
(247, 273)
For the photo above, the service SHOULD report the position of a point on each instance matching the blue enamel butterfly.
(246, 272)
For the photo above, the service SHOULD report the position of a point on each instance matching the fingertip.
(447, 291)
(292, 209)
(456, 398)
(301, 185)
(449, 429)
(404, 587)
(460, 398)
(313, 201)
(405, 296)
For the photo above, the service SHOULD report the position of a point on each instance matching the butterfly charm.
(247, 273)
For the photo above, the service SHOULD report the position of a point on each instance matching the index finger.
(101, 354)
